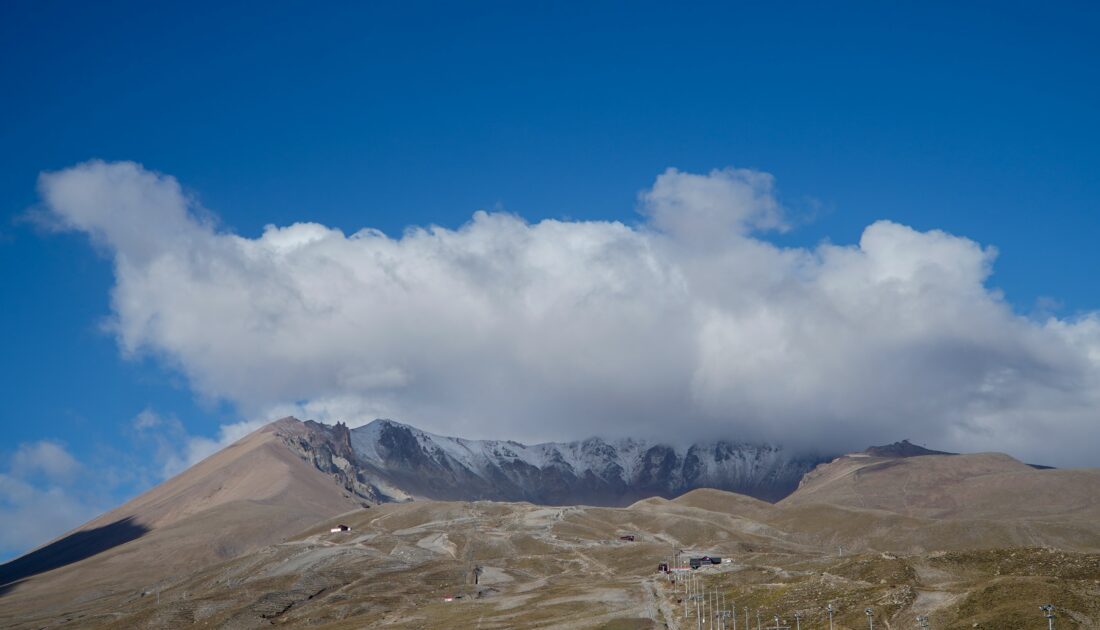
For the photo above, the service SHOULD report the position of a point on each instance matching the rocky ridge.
(389, 461)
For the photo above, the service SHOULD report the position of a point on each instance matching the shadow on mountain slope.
(72, 548)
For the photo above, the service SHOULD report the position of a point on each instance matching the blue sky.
(978, 120)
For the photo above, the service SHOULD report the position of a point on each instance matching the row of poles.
(711, 603)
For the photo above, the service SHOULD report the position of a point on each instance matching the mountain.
(491, 565)
(290, 474)
(402, 462)
(253, 493)
(243, 539)
(990, 486)
(904, 448)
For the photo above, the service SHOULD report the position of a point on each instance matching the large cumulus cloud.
(690, 324)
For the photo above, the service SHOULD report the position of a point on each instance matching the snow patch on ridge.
(625, 463)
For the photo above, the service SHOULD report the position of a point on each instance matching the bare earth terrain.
(961, 539)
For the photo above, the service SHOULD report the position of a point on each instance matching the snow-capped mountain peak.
(593, 470)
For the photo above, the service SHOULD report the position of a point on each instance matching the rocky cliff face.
(403, 461)
(329, 449)
(389, 461)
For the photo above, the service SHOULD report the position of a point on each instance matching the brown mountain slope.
(413, 565)
(989, 486)
(251, 494)
(215, 546)
(726, 502)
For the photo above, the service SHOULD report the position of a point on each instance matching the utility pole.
(758, 619)
(830, 609)
(870, 618)
(695, 592)
(798, 621)
(1048, 612)
(714, 605)
(718, 596)
(726, 613)
(706, 601)
(717, 610)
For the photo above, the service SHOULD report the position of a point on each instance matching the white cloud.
(713, 208)
(37, 498)
(194, 448)
(176, 450)
(44, 459)
(685, 326)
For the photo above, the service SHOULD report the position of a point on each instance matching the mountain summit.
(904, 448)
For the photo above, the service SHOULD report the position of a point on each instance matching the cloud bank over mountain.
(690, 324)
